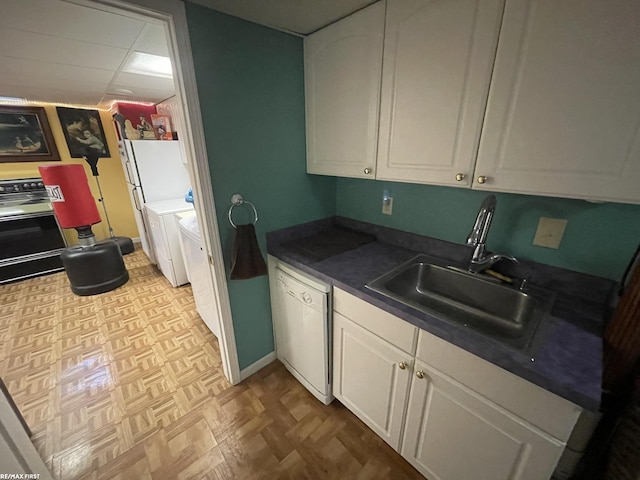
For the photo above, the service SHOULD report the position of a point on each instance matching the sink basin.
(499, 311)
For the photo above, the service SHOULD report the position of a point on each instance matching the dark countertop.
(568, 358)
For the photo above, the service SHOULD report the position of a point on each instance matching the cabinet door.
(437, 63)
(343, 64)
(368, 378)
(563, 114)
(452, 433)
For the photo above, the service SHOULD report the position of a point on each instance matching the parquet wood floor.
(129, 385)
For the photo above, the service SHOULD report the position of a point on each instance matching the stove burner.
(21, 185)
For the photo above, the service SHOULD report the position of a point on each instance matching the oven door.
(30, 245)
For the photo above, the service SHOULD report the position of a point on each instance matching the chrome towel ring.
(237, 199)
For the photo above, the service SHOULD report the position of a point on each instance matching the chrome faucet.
(478, 238)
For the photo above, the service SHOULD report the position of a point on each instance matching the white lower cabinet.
(461, 417)
(370, 378)
(453, 432)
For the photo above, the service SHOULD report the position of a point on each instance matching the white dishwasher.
(301, 319)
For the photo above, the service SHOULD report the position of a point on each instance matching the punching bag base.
(125, 243)
(94, 269)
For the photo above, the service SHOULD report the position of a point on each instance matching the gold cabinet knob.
(367, 171)
(460, 177)
(420, 374)
(482, 179)
(402, 365)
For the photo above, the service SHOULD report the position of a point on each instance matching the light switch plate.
(550, 231)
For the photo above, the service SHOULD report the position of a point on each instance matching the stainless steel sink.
(494, 309)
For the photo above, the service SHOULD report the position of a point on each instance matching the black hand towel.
(247, 261)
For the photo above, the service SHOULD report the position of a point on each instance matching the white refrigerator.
(155, 170)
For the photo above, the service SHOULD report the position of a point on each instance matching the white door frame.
(17, 452)
(173, 15)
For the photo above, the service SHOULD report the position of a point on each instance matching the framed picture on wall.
(25, 135)
(83, 132)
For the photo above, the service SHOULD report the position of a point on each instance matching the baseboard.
(255, 366)
(136, 240)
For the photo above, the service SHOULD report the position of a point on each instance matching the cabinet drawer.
(537, 406)
(393, 329)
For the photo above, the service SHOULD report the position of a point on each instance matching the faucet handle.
(510, 258)
(524, 282)
(496, 257)
(481, 262)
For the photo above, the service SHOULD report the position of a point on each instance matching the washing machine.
(164, 237)
(197, 266)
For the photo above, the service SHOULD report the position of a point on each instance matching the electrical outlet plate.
(387, 205)
(550, 231)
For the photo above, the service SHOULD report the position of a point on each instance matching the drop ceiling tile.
(134, 80)
(39, 57)
(152, 40)
(17, 71)
(77, 22)
(45, 48)
(149, 97)
(142, 94)
(40, 94)
(154, 92)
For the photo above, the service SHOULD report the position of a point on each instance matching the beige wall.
(112, 180)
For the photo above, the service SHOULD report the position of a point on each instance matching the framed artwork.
(83, 132)
(25, 135)
(162, 126)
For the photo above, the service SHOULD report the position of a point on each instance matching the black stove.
(30, 237)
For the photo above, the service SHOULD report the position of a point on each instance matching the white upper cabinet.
(342, 88)
(525, 96)
(438, 57)
(563, 114)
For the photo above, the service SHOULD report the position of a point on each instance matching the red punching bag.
(70, 196)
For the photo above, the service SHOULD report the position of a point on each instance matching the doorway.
(171, 15)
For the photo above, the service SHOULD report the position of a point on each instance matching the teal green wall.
(600, 237)
(251, 88)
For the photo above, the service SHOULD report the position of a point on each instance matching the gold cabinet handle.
(482, 179)
(420, 374)
(402, 365)
(367, 171)
(460, 177)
